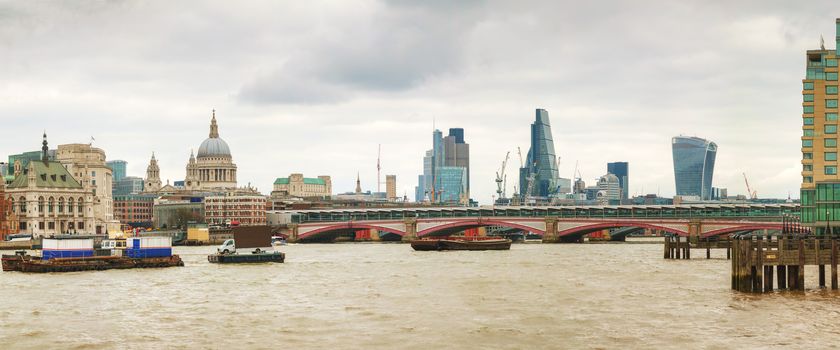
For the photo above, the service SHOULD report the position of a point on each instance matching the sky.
(314, 87)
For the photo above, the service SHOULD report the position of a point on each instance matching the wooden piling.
(687, 254)
(833, 264)
(678, 247)
(768, 278)
(708, 249)
(781, 276)
(800, 284)
(758, 277)
(667, 247)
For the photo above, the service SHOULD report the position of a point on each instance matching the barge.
(73, 254)
(256, 238)
(461, 243)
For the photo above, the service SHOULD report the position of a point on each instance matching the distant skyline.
(314, 87)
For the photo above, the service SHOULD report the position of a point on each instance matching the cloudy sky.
(315, 86)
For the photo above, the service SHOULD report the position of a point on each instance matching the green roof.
(306, 181)
(49, 175)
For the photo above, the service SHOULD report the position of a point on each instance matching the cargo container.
(66, 248)
(148, 247)
(200, 234)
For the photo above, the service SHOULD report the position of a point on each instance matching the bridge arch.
(586, 229)
(468, 223)
(741, 228)
(346, 226)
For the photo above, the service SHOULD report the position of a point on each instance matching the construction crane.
(501, 178)
(521, 162)
(752, 194)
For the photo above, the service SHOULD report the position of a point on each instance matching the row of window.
(829, 156)
(829, 117)
(828, 129)
(810, 109)
(829, 90)
(826, 143)
(827, 170)
(820, 74)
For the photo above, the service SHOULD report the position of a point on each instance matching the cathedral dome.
(213, 147)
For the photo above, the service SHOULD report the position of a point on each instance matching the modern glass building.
(541, 161)
(820, 189)
(440, 181)
(117, 169)
(622, 171)
(128, 185)
(694, 164)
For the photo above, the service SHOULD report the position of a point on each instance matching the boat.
(78, 254)
(248, 245)
(461, 243)
(278, 241)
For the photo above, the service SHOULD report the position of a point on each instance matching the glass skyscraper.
(118, 168)
(694, 164)
(541, 162)
(622, 171)
(446, 169)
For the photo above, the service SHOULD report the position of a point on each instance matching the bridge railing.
(771, 212)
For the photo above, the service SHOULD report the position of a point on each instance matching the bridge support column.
(550, 235)
(293, 233)
(410, 230)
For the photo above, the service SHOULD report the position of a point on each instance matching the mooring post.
(833, 263)
(687, 254)
(800, 284)
(733, 275)
(759, 265)
(678, 246)
(708, 249)
(665, 246)
(820, 265)
(729, 250)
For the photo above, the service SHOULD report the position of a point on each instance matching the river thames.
(386, 296)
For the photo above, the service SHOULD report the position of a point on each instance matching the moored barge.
(66, 255)
(461, 243)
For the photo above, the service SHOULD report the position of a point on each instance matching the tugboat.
(74, 254)
(461, 243)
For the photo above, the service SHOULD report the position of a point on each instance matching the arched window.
(12, 204)
(40, 204)
(70, 205)
(22, 204)
(51, 205)
(60, 204)
(81, 206)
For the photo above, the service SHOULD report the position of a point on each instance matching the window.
(831, 76)
(808, 109)
(51, 205)
(808, 86)
(808, 97)
(51, 226)
(831, 170)
(807, 167)
(830, 143)
(831, 129)
(831, 90)
(831, 62)
(807, 155)
(832, 156)
(807, 143)
(830, 103)
(40, 204)
(831, 116)
(809, 121)
(807, 179)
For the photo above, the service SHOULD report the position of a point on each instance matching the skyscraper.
(445, 176)
(820, 181)
(541, 162)
(694, 164)
(622, 171)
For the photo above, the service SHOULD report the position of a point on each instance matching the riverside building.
(694, 165)
(820, 189)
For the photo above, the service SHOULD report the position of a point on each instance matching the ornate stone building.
(81, 159)
(212, 168)
(48, 199)
(152, 183)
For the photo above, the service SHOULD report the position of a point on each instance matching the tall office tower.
(694, 164)
(541, 162)
(391, 187)
(118, 168)
(445, 176)
(820, 181)
(457, 153)
(622, 171)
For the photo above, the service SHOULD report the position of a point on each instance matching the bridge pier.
(293, 233)
(410, 230)
(550, 235)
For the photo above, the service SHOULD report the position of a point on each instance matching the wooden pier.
(754, 257)
(677, 247)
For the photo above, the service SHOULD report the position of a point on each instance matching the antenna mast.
(378, 178)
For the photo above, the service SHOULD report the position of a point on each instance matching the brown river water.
(386, 296)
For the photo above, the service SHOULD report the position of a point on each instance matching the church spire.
(358, 184)
(45, 149)
(214, 129)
